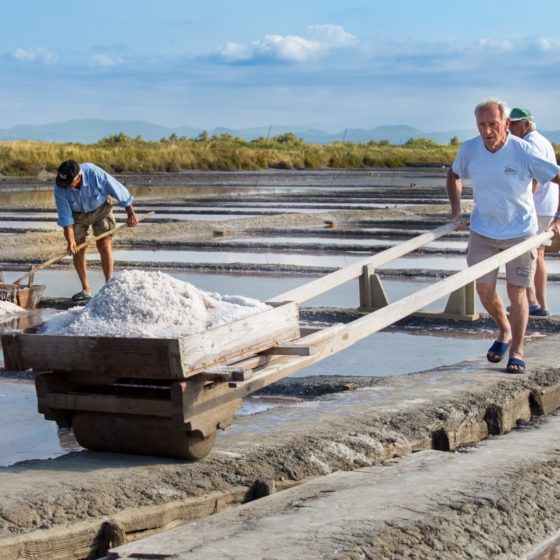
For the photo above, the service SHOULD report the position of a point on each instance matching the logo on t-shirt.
(510, 170)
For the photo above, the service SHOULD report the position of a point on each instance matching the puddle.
(397, 353)
(25, 433)
(24, 224)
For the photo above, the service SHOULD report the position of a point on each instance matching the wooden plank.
(240, 338)
(291, 350)
(123, 357)
(224, 373)
(242, 375)
(326, 283)
(108, 404)
(153, 357)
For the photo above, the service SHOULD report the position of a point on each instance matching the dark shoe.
(81, 297)
(497, 350)
(515, 365)
(539, 312)
(536, 310)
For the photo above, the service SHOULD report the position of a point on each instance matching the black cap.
(67, 172)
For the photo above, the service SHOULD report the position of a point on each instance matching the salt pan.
(152, 305)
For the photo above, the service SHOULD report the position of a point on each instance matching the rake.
(28, 296)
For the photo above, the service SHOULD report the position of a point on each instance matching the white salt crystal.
(153, 305)
(9, 308)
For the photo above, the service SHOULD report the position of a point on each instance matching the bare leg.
(105, 248)
(518, 317)
(81, 267)
(494, 305)
(532, 295)
(540, 279)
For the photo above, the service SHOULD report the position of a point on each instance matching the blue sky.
(244, 63)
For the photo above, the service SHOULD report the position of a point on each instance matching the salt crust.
(137, 303)
(8, 308)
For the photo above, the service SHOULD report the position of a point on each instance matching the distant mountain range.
(89, 131)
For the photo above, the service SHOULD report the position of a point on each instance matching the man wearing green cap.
(501, 168)
(545, 196)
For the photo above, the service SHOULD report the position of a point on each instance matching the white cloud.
(101, 59)
(505, 45)
(38, 54)
(333, 35)
(290, 48)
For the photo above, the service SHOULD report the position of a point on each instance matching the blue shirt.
(96, 186)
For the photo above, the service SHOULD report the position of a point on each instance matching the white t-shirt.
(546, 196)
(502, 186)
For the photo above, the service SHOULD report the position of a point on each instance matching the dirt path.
(487, 502)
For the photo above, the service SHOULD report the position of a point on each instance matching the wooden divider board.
(152, 357)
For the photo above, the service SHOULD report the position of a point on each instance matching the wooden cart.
(170, 396)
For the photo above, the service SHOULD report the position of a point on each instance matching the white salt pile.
(8, 308)
(152, 305)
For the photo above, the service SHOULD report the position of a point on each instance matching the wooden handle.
(78, 248)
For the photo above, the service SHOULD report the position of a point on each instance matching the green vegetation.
(121, 153)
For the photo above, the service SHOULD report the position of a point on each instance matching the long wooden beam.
(352, 271)
(339, 337)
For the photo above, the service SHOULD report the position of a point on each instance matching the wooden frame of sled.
(170, 396)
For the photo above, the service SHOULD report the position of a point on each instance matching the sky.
(325, 64)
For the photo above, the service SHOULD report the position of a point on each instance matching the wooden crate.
(174, 358)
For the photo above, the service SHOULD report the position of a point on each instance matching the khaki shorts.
(519, 272)
(101, 220)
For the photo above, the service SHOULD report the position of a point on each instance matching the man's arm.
(70, 239)
(454, 188)
(555, 225)
(131, 219)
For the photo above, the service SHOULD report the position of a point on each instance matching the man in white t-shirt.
(546, 202)
(501, 168)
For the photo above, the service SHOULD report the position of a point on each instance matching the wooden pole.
(34, 269)
(339, 337)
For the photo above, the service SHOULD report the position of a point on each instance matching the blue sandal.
(498, 349)
(515, 365)
(81, 297)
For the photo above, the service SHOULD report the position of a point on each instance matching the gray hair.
(502, 106)
(532, 125)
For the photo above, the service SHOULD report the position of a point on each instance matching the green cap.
(520, 114)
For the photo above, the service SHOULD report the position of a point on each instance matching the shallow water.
(343, 240)
(35, 224)
(64, 283)
(25, 433)
(266, 256)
